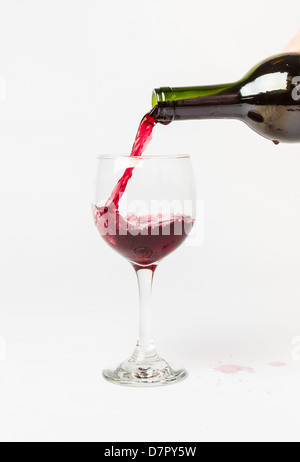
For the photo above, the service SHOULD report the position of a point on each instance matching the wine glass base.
(144, 369)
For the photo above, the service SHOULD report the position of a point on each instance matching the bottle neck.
(183, 103)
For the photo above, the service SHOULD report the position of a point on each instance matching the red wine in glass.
(143, 240)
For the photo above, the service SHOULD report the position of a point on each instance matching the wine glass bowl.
(153, 216)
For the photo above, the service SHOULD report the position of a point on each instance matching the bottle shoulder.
(272, 81)
(288, 63)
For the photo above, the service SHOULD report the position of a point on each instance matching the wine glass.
(144, 220)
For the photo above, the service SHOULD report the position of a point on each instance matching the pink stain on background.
(233, 369)
(277, 364)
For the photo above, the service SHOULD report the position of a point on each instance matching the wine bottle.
(267, 99)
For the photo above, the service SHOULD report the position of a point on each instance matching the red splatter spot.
(277, 364)
(233, 369)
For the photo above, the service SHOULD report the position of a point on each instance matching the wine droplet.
(276, 142)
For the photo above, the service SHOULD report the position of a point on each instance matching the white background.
(79, 76)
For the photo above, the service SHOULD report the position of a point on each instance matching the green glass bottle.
(267, 99)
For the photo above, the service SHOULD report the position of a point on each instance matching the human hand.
(294, 45)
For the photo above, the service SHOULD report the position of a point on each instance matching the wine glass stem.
(145, 279)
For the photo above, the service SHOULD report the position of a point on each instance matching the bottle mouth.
(161, 95)
(163, 110)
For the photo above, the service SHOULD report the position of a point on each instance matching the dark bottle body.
(267, 99)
